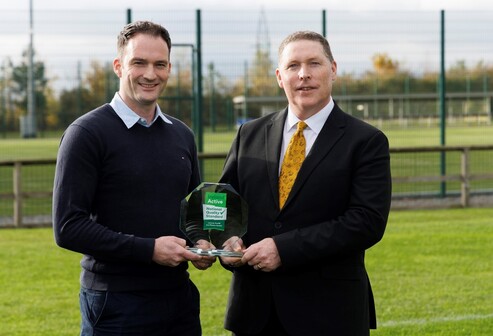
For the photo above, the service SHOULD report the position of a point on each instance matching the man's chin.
(148, 99)
(310, 108)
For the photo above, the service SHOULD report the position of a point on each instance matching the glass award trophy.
(214, 212)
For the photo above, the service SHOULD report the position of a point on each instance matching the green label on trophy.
(215, 211)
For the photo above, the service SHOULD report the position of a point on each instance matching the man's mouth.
(305, 88)
(148, 86)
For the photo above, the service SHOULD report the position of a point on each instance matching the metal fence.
(238, 55)
(468, 182)
(389, 68)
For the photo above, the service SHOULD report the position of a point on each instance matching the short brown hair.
(307, 35)
(141, 27)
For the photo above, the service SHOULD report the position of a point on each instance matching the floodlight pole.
(197, 123)
(30, 125)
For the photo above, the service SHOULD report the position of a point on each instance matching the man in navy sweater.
(122, 170)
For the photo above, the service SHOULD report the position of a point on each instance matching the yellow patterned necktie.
(295, 154)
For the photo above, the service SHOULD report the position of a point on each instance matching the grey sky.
(357, 29)
(356, 5)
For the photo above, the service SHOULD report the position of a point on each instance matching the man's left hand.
(263, 256)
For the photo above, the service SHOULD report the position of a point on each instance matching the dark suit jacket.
(337, 209)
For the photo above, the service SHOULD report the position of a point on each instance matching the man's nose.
(304, 73)
(150, 72)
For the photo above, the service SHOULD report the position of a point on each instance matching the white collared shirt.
(129, 117)
(314, 126)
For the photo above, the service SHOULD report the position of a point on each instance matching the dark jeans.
(148, 313)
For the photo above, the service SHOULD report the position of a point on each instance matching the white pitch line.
(434, 320)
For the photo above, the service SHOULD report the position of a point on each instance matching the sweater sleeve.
(75, 186)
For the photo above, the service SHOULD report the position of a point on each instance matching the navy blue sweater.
(116, 190)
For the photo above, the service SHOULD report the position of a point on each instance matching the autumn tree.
(8, 119)
(96, 87)
(101, 83)
(20, 85)
(261, 76)
(383, 65)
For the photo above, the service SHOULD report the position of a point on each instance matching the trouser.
(149, 313)
(272, 328)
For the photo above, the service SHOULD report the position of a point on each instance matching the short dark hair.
(141, 27)
(307, 35)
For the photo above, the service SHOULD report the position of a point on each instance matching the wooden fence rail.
(465, 177)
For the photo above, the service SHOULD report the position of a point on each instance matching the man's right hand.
(171, 251)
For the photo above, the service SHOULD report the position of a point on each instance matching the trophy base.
(215, 252)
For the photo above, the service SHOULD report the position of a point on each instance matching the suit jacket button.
(278, 225)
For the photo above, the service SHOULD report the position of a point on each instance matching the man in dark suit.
(303, 271)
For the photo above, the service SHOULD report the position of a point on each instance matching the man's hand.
(263, 256)
(205, 262)
(171, 251)
(235, 244)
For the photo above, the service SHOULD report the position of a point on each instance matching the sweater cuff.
(143, 249)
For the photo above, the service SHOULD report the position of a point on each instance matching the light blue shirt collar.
(129, 117)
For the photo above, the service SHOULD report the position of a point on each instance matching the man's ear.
(279, 79)
(117, 67)
(334, 70)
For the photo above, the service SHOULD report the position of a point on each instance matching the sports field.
(432, 274)
(220, 142)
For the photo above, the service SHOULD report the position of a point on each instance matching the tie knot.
(301, 126)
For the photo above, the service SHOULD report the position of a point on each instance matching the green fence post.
(324, 23)
(443, 163)
(212, 93)
(129, 15)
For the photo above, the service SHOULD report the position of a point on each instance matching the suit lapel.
(273, 140)
(331, 132)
